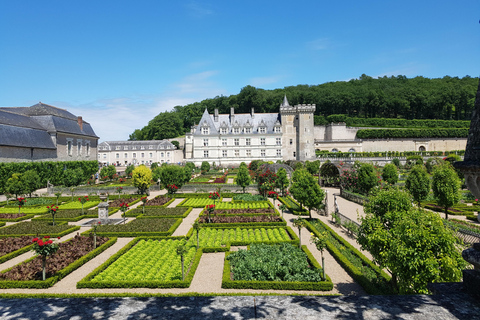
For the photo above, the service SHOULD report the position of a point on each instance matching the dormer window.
(223, 130)
(277, 130)
(125, 148)
(262, 129)
(236, 130)
(205, 130)
(248, 130)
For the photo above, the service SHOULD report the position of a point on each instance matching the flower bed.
(239, 219)
(140, 227)
(37, 228)
(70, 255)
(280, 266)
(225, 237)
(14, 217)
(118, 202)
(14, 246)
(219, 205)
(363, 270)
(146, 264)
(158, 201)
(78, 205)
(243, 211)
(160, 212)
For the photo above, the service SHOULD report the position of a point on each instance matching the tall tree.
(392, 231)
(142, 178)
(367, 179)
(446, 186)
(306, 190)
(418, 183)
(282, 180)
(31, 181)
(390, 173)
(243, 177)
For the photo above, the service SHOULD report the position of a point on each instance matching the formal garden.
(285, 236)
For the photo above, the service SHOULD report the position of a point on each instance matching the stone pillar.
(103, 212)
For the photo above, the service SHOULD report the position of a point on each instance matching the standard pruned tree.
(390, 173)
(142, 178)
(243, 179)
(282, 181)
(173, 175)
(392, 230)
(367, 179)
(306, 190)
(446, 186)
(418, 183)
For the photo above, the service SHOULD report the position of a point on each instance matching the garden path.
(187, 222)
(343, 282)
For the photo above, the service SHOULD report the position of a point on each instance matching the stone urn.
(470, 166)
(103, 196)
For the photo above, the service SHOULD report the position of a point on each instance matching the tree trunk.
(198, 231)
(183, 274)
(44, 266)
(323, 268)
(446, 213)
(300, 238)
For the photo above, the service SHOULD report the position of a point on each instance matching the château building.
(122, 153)
(45, 133)
(229, 139)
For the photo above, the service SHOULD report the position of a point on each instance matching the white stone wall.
(414, 144)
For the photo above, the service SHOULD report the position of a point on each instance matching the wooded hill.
(448, 98)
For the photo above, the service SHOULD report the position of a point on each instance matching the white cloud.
(117, 118)
(262, 81)
(197, 10)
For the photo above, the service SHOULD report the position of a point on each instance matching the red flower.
(40, 243)
(58, 238)
(35, 240)
(49, 242)
(46, 237)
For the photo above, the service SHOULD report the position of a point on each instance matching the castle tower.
(297, 129)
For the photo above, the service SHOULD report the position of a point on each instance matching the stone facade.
(229, 139)
(122, 153)
(45, 133)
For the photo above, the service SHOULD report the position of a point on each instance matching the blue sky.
(120, 63)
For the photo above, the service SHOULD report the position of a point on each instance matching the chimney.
(232, 115)
(80, 122)
(253, 113)
(215, 118)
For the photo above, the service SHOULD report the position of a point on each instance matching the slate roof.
(157, 144)
(31, 126)
(270, 120)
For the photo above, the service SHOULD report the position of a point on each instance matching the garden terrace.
(146, 263)
(159, 212)
(140, 227)
(37, 228)
(70, 255)
(280, 266)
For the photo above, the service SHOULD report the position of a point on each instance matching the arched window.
(351, 150)
(334, 150)
(422, 148)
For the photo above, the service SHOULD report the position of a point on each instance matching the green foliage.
(243, 177)
(431, 163)
(37, 228)
(31, 181)
(418, 183)
(402, 123)
(205, 167)
(366, 98)
(108, 172)
(367, 178)
(249, 197)
(390, 173)
(15, 185)
(412, 243)
(312, 166)
(142, 178)
(73, 177)
(412, 133)
(282, 181)
(396, 162)
(173, 175)
(306, 190)
(446, 186)
(129, 169)
(141, 227)
(282, 262)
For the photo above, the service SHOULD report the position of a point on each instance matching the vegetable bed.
(216, 237)
(141, 227)
(150, 263)
(239, 219)
(160, 212)
(78, 205)
(14, 246)
(279, 266)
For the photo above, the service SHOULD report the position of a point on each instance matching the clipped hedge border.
(48, 217)
(201, 195)
(140, 233)
(27, 216)
(184, 215)
(55, 235)
(88, 283)
(15, 253)
(276, 285)
(2, 224)
(39, 284)
(297, 212)
(353, 271)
